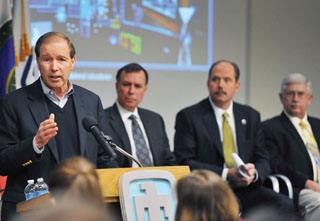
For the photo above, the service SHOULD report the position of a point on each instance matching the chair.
(278, 182)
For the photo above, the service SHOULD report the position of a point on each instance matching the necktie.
(141, 145)
(227, 142)
(311, 142)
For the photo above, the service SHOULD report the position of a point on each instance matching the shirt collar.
(50, 93)
(124, 113)
(296, 120)
(219, 111)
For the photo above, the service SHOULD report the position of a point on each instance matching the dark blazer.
(288, 154)
(155, 130)
(197, 140)
(21, 113)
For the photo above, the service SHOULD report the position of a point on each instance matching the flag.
(7, 59)
(26, 71)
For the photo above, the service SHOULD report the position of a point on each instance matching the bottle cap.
(40, 179)
(30, 181)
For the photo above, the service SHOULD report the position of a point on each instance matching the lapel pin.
(244, 121)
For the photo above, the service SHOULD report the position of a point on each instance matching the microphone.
(91, 125)
(122, 151)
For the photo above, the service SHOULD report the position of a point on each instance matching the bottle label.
(39, 193)
(30, 196)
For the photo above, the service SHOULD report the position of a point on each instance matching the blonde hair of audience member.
(76, 178)
(70, 210)
(203, 195)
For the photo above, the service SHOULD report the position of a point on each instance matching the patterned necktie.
(311, 142)
(141, 145)
(228, 142)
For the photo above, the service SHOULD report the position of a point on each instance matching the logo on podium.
(147, 195)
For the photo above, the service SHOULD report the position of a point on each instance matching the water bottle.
(41, 187)
(29, 191)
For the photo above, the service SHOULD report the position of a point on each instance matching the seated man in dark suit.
(138, 131)
(31, 145)
(208, 132)
(293, 139)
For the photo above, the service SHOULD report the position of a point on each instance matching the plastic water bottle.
(29, 191)
(41, 187)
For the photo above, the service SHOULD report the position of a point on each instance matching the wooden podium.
(108, 178)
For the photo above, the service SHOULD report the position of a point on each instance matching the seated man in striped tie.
(138, 131)
(209, 132)
(292, 139)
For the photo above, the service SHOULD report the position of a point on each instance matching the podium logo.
(147, 195)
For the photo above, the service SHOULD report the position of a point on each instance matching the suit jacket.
(156, 134)
(198, 144)
(288, 154)
(21, 113)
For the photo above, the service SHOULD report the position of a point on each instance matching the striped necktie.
(311, 142)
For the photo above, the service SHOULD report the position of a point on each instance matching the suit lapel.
(294, 133)
(79, 105)
(315, 129)
(240, 127)
(118, 127)
(40, 112)
(148, 127)
(210, 122)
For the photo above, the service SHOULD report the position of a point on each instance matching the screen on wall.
(169, 35)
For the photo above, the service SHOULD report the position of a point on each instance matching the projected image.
(160, 34)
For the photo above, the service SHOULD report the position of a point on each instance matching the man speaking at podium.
(41, 123)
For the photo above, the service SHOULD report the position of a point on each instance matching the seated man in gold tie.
(292, 139)
(208, 132)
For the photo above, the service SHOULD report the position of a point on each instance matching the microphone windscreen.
(88, 122)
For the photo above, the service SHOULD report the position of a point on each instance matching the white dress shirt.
(125, 114)
(296, 121)
(218, 112)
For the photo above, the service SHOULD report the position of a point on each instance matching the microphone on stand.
(91, 125)
(119, 149)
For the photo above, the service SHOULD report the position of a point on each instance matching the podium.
(108, 179)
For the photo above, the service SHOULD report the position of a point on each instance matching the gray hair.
(295, 78)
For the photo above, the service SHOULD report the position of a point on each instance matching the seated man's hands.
(237, 180)
(311, 185)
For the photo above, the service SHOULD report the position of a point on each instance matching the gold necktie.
(227, 142)
(311, 142)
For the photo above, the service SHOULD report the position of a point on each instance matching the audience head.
(203, 195)
(70, 210)
(131, 85)
(76, 178)
(223, 82)
(296, 94)
(55, 55)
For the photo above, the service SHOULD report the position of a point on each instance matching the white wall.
(285, 38)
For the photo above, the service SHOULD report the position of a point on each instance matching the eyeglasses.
(292, 94)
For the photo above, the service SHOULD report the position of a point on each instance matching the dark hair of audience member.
(76, 178)
(203, 195)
